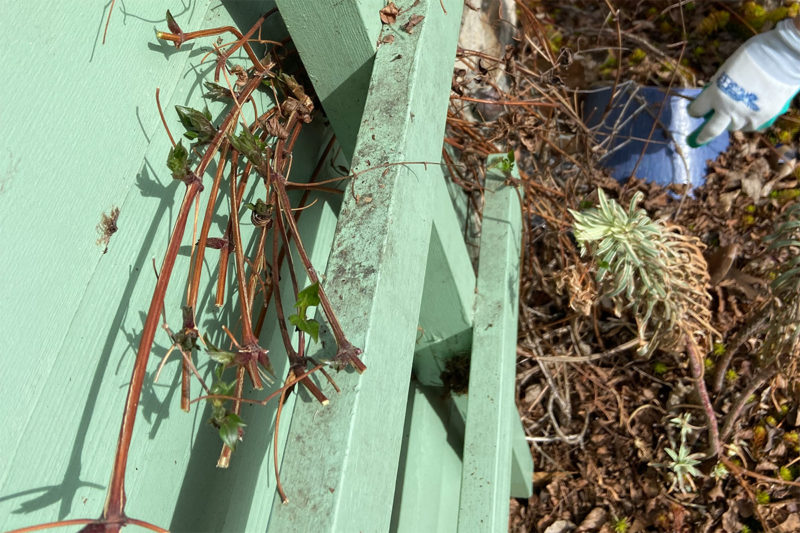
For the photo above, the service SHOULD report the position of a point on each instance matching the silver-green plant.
(684, 467)
(683, 463)
(649, 268)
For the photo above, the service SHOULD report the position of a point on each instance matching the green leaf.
(220, 356)
(251, 146)
(216, 91)
(508, 162)
(309, 326)
(178, 161)
(308, 297)
(260, 208)
(197, 123)
(229, 430)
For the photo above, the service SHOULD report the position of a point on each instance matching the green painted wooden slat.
(337, 42)
(75, 145)
(521, 459)
(89, 137)
(445, 322)
(340, 464)
(486, 477)
(429, 478)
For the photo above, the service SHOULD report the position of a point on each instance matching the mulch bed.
(599, 418)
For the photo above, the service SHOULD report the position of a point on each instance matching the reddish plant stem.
(91, 525)
(108, 20)
(194, 282)
(696, 364)
(115, 501)
(257, 268)
(236, 235)
(281, 401)
(265, 401)
(242, 41)
(161, 114)
(297, 359)
(231, 247)
(186, 385)
(349, 352)
(185, 37)
(114, 509)
(224, 255)
(276, 294)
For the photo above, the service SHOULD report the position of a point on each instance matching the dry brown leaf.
(594, 520)
(389, 13)
(791, 524)
(408, 27)
(560, 526)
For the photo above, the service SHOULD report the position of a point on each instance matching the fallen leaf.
(408, 27)
(389, 13)
(792, 523)
(560, 526)
(751, 186)
(389, 39)
(594, 520)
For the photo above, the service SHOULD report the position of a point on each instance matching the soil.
(621, 439)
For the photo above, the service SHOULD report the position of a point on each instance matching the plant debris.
(389, 13)
(623, 438)
(107, 227)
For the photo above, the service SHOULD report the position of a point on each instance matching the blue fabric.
(668, 158)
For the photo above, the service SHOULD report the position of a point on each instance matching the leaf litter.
(600, 419)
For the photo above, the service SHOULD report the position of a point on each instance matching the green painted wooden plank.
(429, 477)
(336, 41)
(341, 461)
(91, 138)
(521, 459)
(74, 149)
(445, 321)
(486, 478)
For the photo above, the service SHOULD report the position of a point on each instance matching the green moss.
(762, 497)
(714, 22)
(637, 56)
(786, 474)
(754, 14)
(621, 525)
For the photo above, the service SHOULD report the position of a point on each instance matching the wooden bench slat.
(337, 42)
(487, 456)
(341, 461)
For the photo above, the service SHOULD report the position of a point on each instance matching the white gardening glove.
(753, 87)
